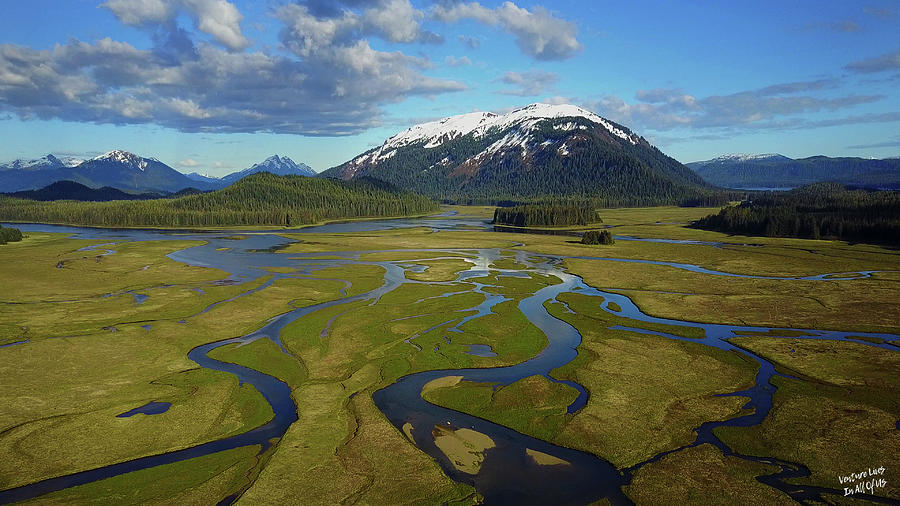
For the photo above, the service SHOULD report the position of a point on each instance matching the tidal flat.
(653, 372)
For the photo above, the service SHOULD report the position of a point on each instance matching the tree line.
(259, 199)
(817, 211)
(558, 215)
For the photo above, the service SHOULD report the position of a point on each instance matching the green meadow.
(80, 350)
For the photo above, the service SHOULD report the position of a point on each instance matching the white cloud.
(395, 20)
(538, 32)
(778, 106)
(336, 84)
(331, 80)
(190, 162)
(218, 18)
(188, 108)
(138, 12)
(391, 20)
(221, 19)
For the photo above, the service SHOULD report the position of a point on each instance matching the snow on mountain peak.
(44, 162)
(479, 124)
(276, 161)
(438, 132)
(123, 157)
(743, 157)
(278, 165)
(70, 161)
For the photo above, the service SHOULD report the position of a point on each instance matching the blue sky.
(214, 86)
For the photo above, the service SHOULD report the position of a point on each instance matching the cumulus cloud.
(332, 81)
(884, 63)
(776, 106)
(538, 32)
(337, 93)
(529, 83)
(190, 162)
(218, 18)
(328, 79)
(396, 20)
(313, 24)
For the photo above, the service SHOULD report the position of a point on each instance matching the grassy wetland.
(670, 349)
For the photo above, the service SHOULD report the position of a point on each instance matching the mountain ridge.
(778, 171)
(128, 172)
(71, 190)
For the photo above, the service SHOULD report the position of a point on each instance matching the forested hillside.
(818, 211)
(259, 199)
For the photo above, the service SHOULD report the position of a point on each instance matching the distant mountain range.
(47, 162)
(535, 151)
(778, 171)
(70, 190)
(127, 172)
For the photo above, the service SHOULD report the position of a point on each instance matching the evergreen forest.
(817, 211)
(259, 199)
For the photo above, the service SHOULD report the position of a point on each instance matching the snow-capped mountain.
(118, 169)
(534, 150)
(204, 178)
(278, 165)
(127, 171)
(522, 127)
(740, 157)
(124, 158)
(131, 172)
(45, 162)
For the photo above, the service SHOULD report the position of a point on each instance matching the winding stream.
(508, 473)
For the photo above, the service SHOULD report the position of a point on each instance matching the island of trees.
(597, 237)
(546, 215)
(817, 211)
(259, 199)
(8, 234)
